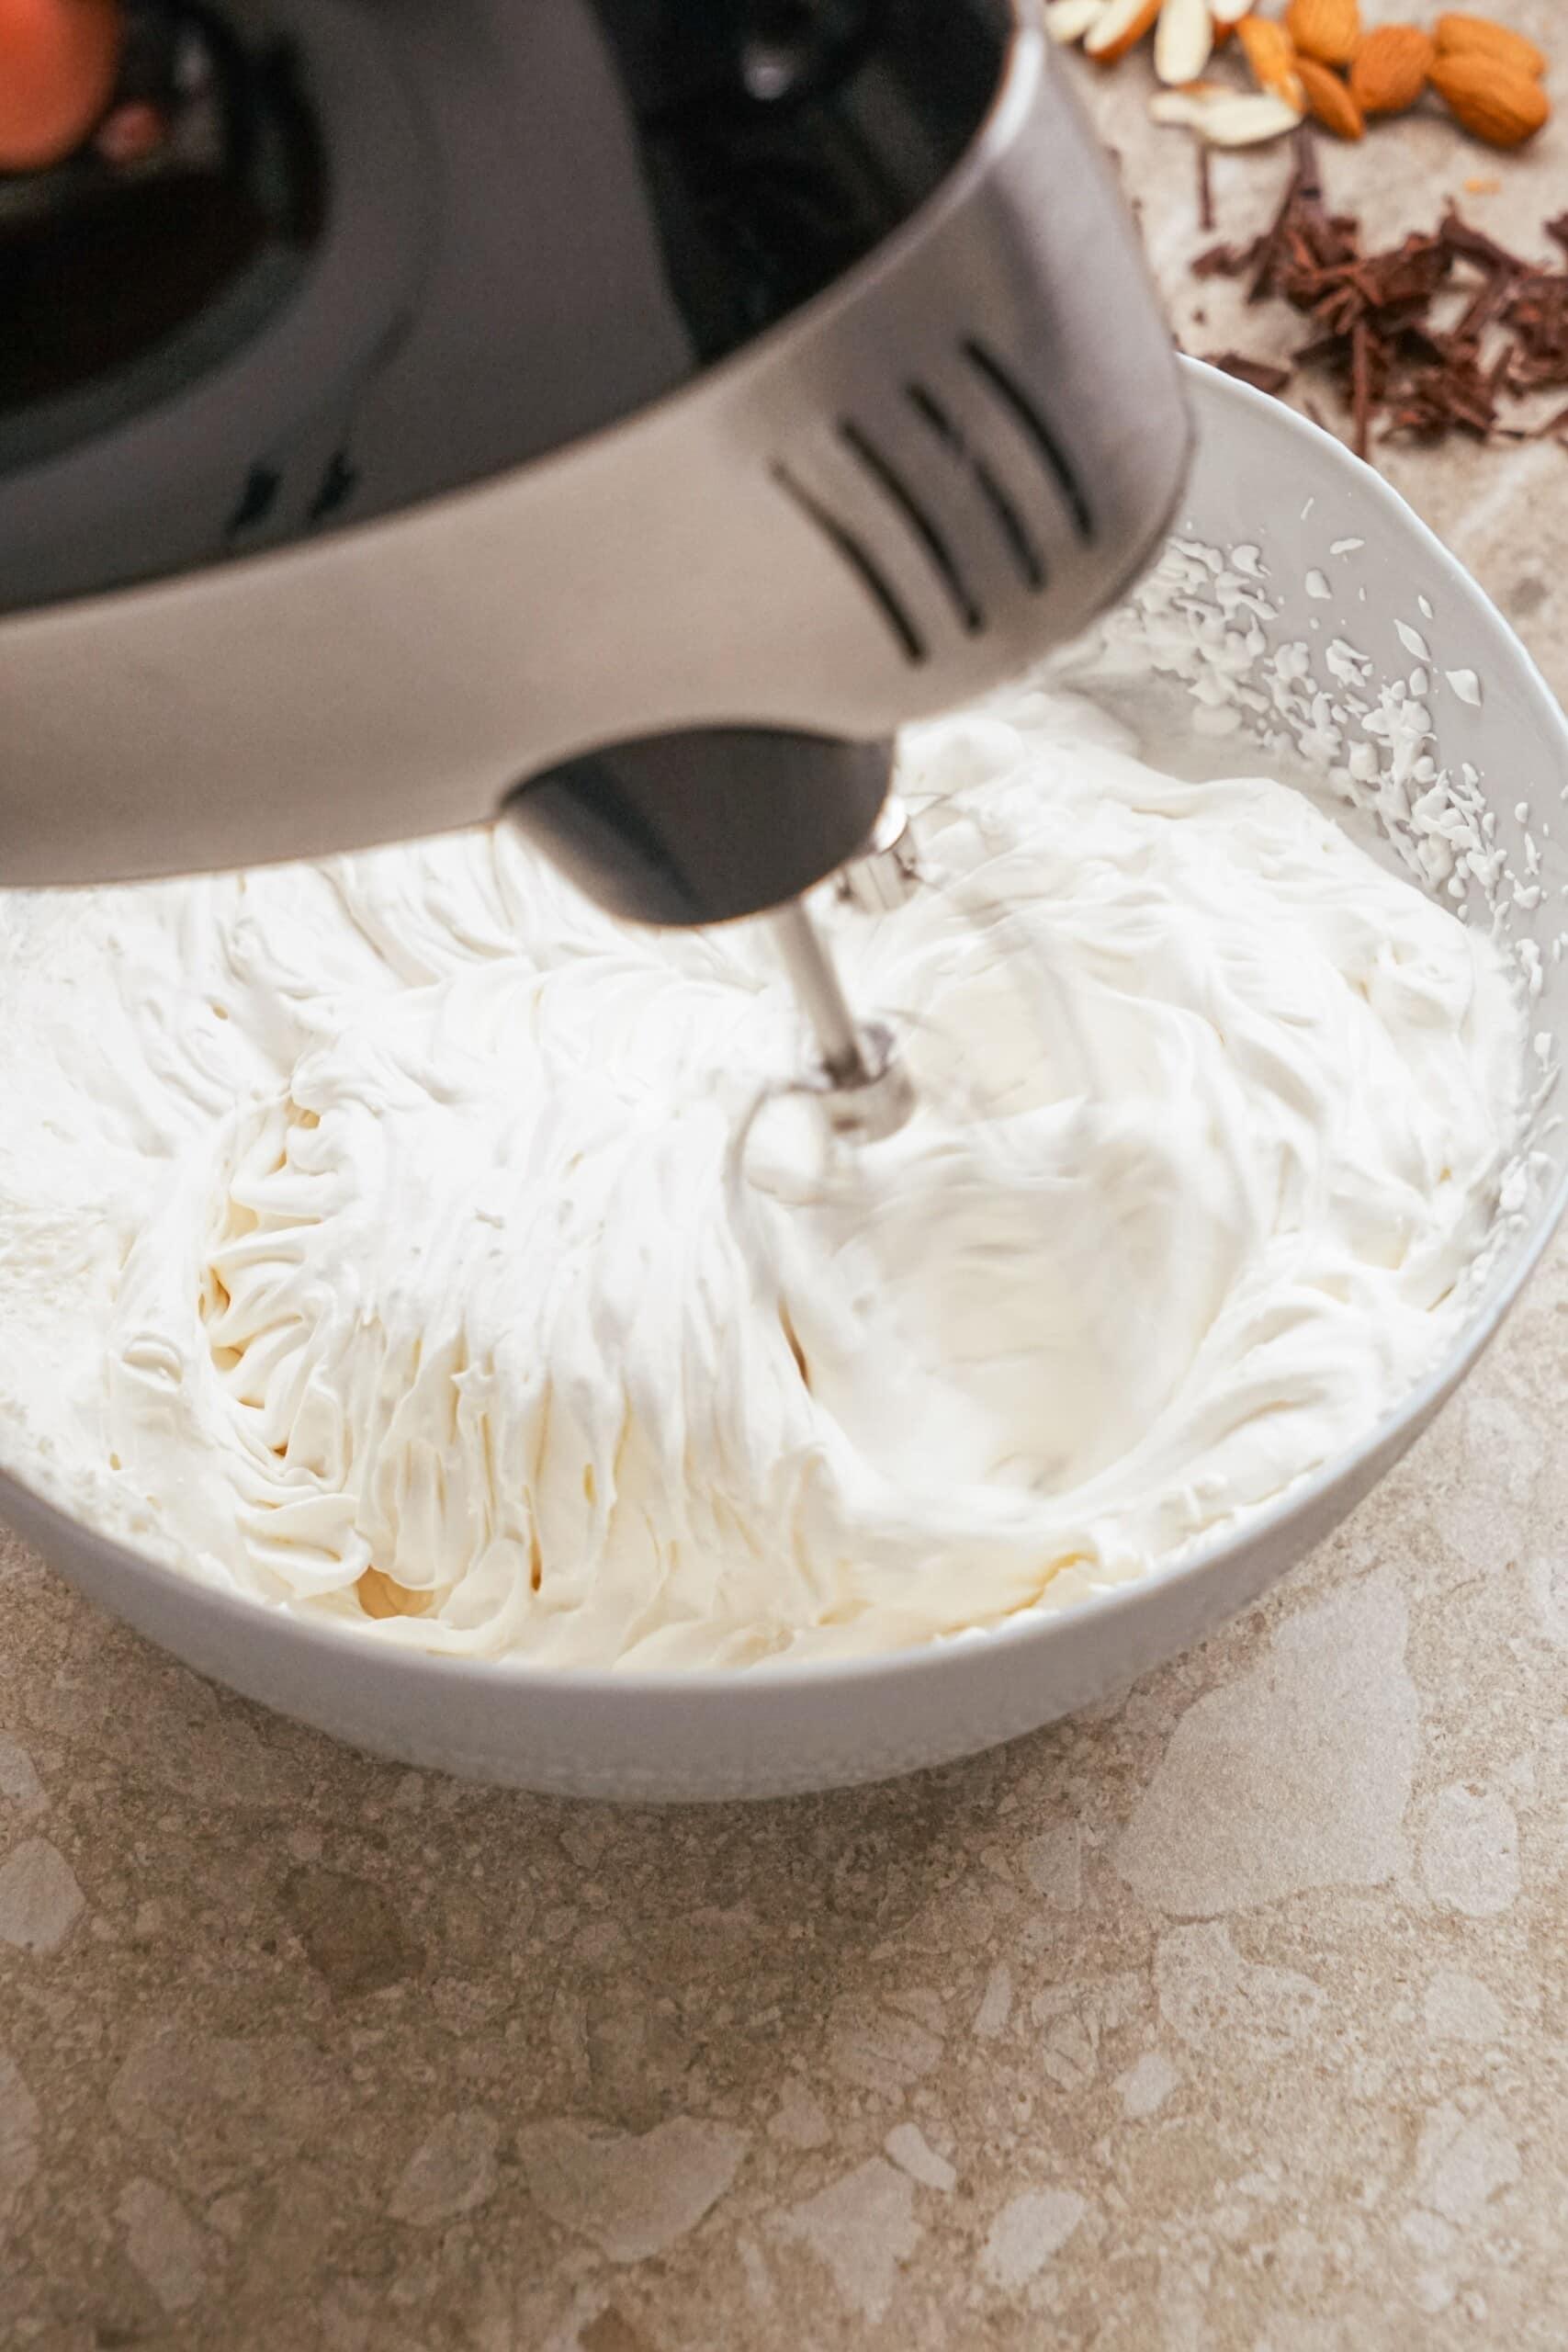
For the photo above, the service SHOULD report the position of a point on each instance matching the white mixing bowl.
(1265, 477)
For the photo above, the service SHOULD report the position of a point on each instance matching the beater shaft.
(810, 966)
(868, 1093)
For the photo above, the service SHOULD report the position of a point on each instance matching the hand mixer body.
(627, 411)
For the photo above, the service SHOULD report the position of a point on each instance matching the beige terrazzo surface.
(1233, 2015)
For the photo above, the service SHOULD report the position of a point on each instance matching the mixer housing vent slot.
(1026, 413)
(853, 552)
(1015, 532)
(880, 471)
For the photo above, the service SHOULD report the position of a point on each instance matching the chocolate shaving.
(1536, 315)
(1261, 374)
(1426, 338)
(1486, 305)
(1205, 189)
(1221, 261)
(1477, 246)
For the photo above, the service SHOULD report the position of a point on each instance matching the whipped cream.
(401, 1241)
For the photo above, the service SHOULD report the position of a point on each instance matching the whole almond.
(1328, 100)
(1391, 69)
(1271, 52)
(1329, 30)
(1492, 102)
(1455, 34)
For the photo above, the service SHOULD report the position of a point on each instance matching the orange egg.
(58, 61)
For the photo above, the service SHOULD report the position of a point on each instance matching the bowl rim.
(1037, 1623)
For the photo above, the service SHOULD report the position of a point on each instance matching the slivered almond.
(1068, 21)
(1184, 38)
(1329, 102)
(1120, 25)
(1329, 30)
(1225, 118)
(1229, 12)
(1271, 55)
(1391, 69)
(1490, 100)
(1456, 33)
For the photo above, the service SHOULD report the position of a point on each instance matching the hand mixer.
(619, 414)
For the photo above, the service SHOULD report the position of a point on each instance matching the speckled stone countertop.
(1233, 2015)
